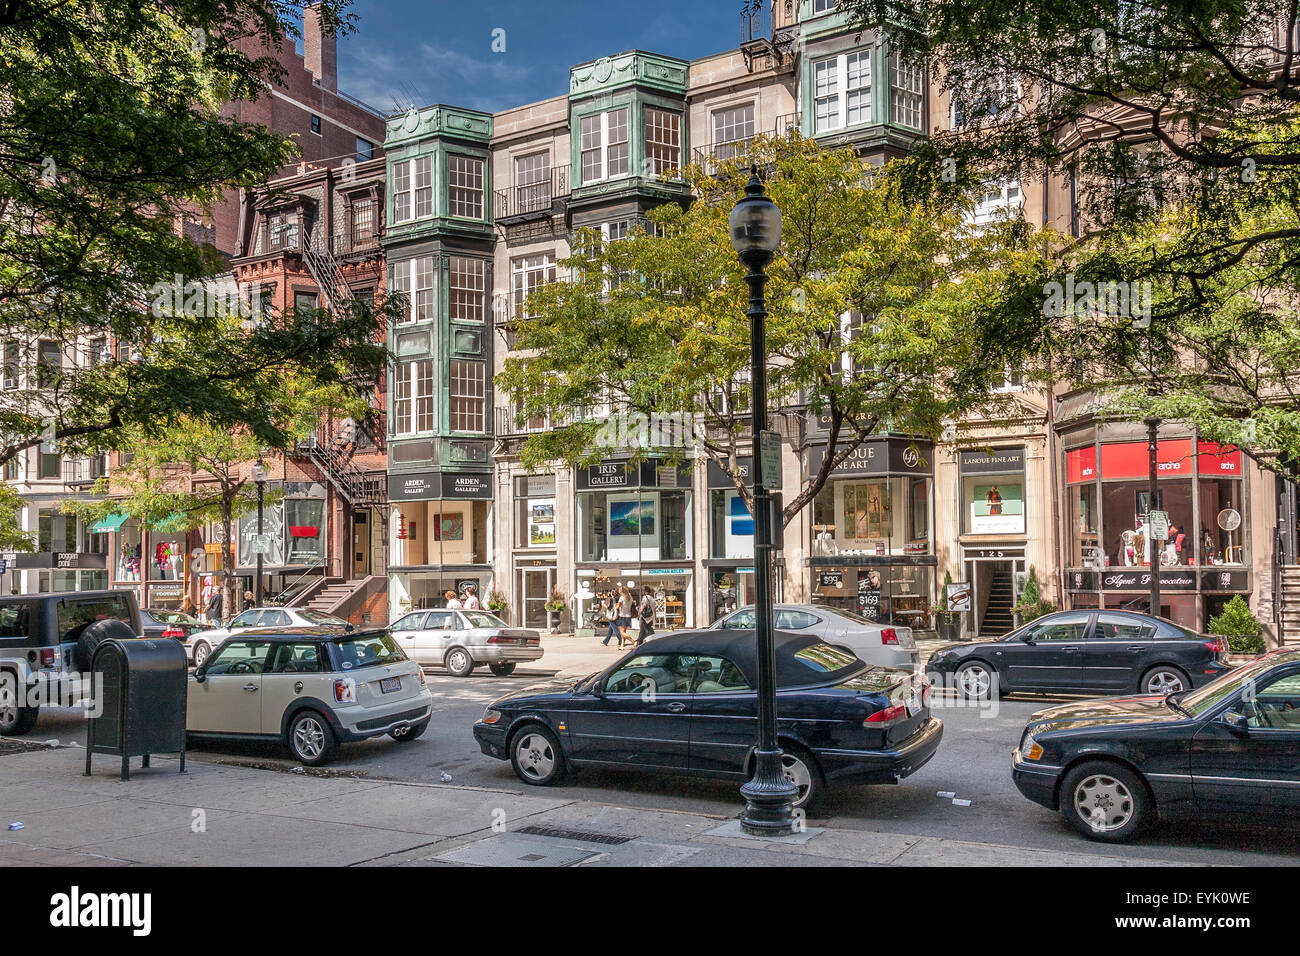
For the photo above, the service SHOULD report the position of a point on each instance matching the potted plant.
(496, 603)
(1239, 626)
(555, 606)
(1032, 606)
(946, 622)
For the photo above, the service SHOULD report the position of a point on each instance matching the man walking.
(214, 607)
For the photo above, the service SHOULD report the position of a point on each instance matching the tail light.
(49, 656)
(888, 636)
(497, 639)
(345, 691)
(886, 715)
(175, 632)
(1216, 646)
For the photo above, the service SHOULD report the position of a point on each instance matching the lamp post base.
(769, 798)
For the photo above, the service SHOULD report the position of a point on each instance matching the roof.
(740, 645)
(321, 632)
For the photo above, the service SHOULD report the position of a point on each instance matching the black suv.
(48, 640)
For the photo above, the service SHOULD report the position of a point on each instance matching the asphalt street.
(973, 762)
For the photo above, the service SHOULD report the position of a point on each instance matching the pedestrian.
(624, 613)
(609, 613)
(214, 607)
(452, 600)
(471, 599)
(248, 599)
(646, 614)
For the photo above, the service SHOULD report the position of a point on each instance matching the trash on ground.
(15, 826)
(946, 794)
(51, 743)
(960, 803)
(446, 778)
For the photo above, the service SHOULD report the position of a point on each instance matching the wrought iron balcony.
(509, 422)
(709, 158)
(533, 201)
(787, 122)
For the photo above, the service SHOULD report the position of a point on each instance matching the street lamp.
(259, 476)
(769, 797)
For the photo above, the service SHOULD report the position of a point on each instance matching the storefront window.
(305, 520)
(129, 555)
(878, 516)
(1221, 510)
(731, 525)
(439, 533)
(167, 556)
(636, 525)
(413, 590)
(535, 511)
(273, 531)
(1125, 507)
(672, 592)
(894, 594)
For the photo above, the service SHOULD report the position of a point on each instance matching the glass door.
(536, 585)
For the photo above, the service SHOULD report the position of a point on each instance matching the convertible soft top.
(740, 645)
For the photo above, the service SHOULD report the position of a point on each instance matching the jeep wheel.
(14, 719)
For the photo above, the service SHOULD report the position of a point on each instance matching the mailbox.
(142, 685)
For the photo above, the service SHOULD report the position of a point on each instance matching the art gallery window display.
(731, 541)
(440, 546)
(535, 512)
(993, 491)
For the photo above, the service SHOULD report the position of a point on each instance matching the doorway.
(996, 583)
(535, 586)
(361, 544)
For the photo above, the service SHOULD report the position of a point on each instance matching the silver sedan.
(885, 645)
(459, 640)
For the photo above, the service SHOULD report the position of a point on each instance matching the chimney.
(319, 51)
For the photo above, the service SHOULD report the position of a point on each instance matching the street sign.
(769, 447)
(1158, 523)
(4, 565)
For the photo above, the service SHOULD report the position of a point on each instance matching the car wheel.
(536, 756)
(1164, 680)
(976, 680)
(201, 651)
(409, 732)
(310, 739)
(503, 670)
(458, 662)
(799, 767)
(15, 720)
(1106, 802)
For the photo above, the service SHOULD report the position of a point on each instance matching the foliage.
(943, 594)
(656, 325)
(496, 602)
(1032, 606)
(12, 535)
(1239, 626)
(557, 602)
(111, 133)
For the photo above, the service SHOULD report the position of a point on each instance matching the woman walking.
(609, 612)
(646, 613)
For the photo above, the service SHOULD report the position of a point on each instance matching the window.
(296, 659)
(905, 89)
(304, 300)
(823, 6)
(732, 128)
(369, 650)
(363, 221)
(49, 364)
(989, 101)
(532, 182)
(1275, 707)
(663, 140)
(413, 189)
(998, 197)
(1112, 627)
(97, 353)
(604, 145)
(660, 673)
(467, 294)
(1061, 627)
(13, 362)
(465, 186)
(788, 620)
(826, 100)
(413, 397)
(365, 149)
(527, 274)
(238, 658)
(468, 413)
(857, 88)
(315, 124)
(413, 280)
(282, 230)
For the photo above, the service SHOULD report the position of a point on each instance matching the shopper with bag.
(646, 616)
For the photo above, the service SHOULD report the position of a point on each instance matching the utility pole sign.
(769, 449)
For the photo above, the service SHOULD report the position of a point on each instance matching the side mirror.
(1027, 637)
(1236, 722)
(200, 674)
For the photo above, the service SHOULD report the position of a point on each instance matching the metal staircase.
(335, 461)
(325, 269)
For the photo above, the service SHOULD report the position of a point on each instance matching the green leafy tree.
(112, 131)
(1032, 606)
(1239, 626)
(655, 325)
(12, 535)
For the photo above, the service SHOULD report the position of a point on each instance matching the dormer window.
(282, 230)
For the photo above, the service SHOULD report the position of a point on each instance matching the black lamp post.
(769, 796)
(259, 476)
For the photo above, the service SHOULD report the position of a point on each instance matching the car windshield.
(1200, 701)
(172, 617)
(483, 619)
(369, 650)
(316, 617)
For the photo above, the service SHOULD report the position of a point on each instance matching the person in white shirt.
(471, 599)
(452, 600)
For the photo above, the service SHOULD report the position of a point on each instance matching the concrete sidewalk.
(220, 815)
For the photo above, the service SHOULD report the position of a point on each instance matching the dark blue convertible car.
(685, 704)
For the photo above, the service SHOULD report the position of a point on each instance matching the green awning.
(173, 522)
(111, 523)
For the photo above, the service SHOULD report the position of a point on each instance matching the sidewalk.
(233, 816)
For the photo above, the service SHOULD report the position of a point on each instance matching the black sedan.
(1085, 652)
(685, 704)
(1113, 766)
(161, 622)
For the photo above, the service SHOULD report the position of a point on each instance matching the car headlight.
(491, 716)
(1030, 749)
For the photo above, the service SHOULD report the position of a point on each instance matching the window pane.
(465, 186)
(662, 140)
(467, 396)
(617, 152)
(423, 186)
(467, 289)
(401, 192)
(423, 281)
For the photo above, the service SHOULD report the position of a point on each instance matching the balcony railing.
(787, 122)
(353, 245)
(712, 156)
(533, 200)
(508, 423)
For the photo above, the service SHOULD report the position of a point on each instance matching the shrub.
(1032, 605)
(496, 602)
(1239, 626)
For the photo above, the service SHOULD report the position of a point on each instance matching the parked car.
(1086, 652)
(49, 639)
(1228, 748)
(312, 687)
(162, 622)
(884, 645)
(460, 640)
(199, 645)
(685, 704)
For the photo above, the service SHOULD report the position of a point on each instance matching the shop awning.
(110, 523)
(173, 522)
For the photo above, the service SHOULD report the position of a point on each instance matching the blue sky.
(432, 51)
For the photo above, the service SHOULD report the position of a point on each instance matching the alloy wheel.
(974, 681)
(535, 755)
(309, 738)
(796, 771)
(1164, 682)
(8, 706)
(201, 654)
(1104, 802)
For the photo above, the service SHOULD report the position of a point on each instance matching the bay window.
(413, 397)
(413, 280)
(468, 396)
(413, 189)
(663, 140)
(604, 145)
(468, 289)
(906, 92)
(842, 91)
(465, 186)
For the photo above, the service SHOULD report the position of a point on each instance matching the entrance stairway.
(997, 611)
(332, 594)
(1290, 604)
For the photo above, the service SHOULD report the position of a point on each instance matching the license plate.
(913, 705)
(390, 684)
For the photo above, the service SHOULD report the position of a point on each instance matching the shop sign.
(1081, 464)
(959, 596)
(622, 474)
(992, 554)
(1215, 459)
(1082, 580)
(1002, 461)
(418, 486)
(720, 479)
(536, 486)
(1140, 580)
(1132, 459)
(165, 592)
(1224, 579)
(830, 579)
(893, 456)
(664, 571)
(466, 485)
(63, 560)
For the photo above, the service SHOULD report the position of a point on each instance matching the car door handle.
(251, 688)
(1070, 650)
(1136, 647)
(677, 707)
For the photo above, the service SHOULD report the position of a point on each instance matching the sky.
(418, 52)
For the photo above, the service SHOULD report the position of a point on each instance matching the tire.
(504, 669)
(458, 662)
(1106, 802)
(14, 720)
(976, 681)
(94, 634)
(202, 650)
(801, 769)
(1164, 679)
(310, 739)
(537, 757)
(407, 734)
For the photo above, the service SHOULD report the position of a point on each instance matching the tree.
(1032, 606)
(655, 324)
(1179, 124)
(111, 130)
(12, 535)
(1239, 626)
